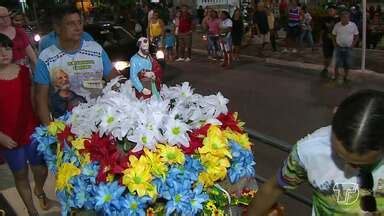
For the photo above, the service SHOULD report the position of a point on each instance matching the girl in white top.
(226, 38)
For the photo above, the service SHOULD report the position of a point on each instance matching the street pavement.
(280, 101)
(374, 58)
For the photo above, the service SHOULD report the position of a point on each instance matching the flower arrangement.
(119, 155)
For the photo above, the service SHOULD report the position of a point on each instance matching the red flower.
(230, 121)
(196, 139)
(111, 160)
(65, 135)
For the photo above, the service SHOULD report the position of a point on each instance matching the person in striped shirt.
(293, 27)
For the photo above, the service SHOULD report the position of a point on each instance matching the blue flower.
(193, 168)
(179, 197)
(46, 144)
(69, 155)
(107, 197)
(242, 163)
(82, 192)
(65, 203)
(134, 205)
(89, 172)
(199, 197)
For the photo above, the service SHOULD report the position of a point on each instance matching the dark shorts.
(328, 49)
(343, 57)
(293, 32)
(20, 157)
(236, 40)
(169, 49)
(185, 40)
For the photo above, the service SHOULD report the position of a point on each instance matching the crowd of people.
(337, 32)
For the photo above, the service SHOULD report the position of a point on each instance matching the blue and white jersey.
(52, 39)
(89, 63)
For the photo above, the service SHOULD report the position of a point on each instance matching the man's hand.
(146, 91)
(150, 75)
(7, 141)
(277, 210)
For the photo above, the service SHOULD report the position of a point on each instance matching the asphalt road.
(282, 102)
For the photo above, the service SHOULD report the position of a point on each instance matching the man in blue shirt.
(52, 38)
(85, 62)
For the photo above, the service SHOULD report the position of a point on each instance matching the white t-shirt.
(336, 188)
(227, 23)
(345, 33)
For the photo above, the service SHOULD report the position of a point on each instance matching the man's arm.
(109, 72)
(355, 40)
(41, 82)
(41, 101)
(291, 175)
(334, 33)
(355, 36)
(265, 198)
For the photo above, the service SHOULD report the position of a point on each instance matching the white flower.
(214, 105)
(176, 132)
(143, 137)
(178, 92)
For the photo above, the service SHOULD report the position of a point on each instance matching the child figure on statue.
(144, 71)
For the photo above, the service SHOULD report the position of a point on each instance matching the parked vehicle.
(119, 43)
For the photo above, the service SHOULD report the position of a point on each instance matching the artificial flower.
(241, 138)
(134, 206)
(215, 143)
(157, 166)
(242, 163)
(78, 143)
(171, 154)
(107, 197)
(56, 127)
(198, 199)
(65, 172)
(137, 179)
(230, 121)
(176, 132)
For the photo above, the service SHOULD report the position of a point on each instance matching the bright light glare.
(121, 65)
(160, 54)
(37, 37)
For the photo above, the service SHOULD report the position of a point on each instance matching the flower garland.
(119, 155)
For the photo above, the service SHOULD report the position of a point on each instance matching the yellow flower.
(138, 178)
(241, 139)
(215, 143)
(134, 162)
(158, 168)
(85, 158)
(55, 127)
(110, 177)
(171, 154)
(78, 143)
(64, 174)
(215, 169)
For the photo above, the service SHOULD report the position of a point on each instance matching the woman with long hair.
(237, 33)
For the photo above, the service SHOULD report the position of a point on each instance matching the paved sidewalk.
(10, 193)
(305, 58)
